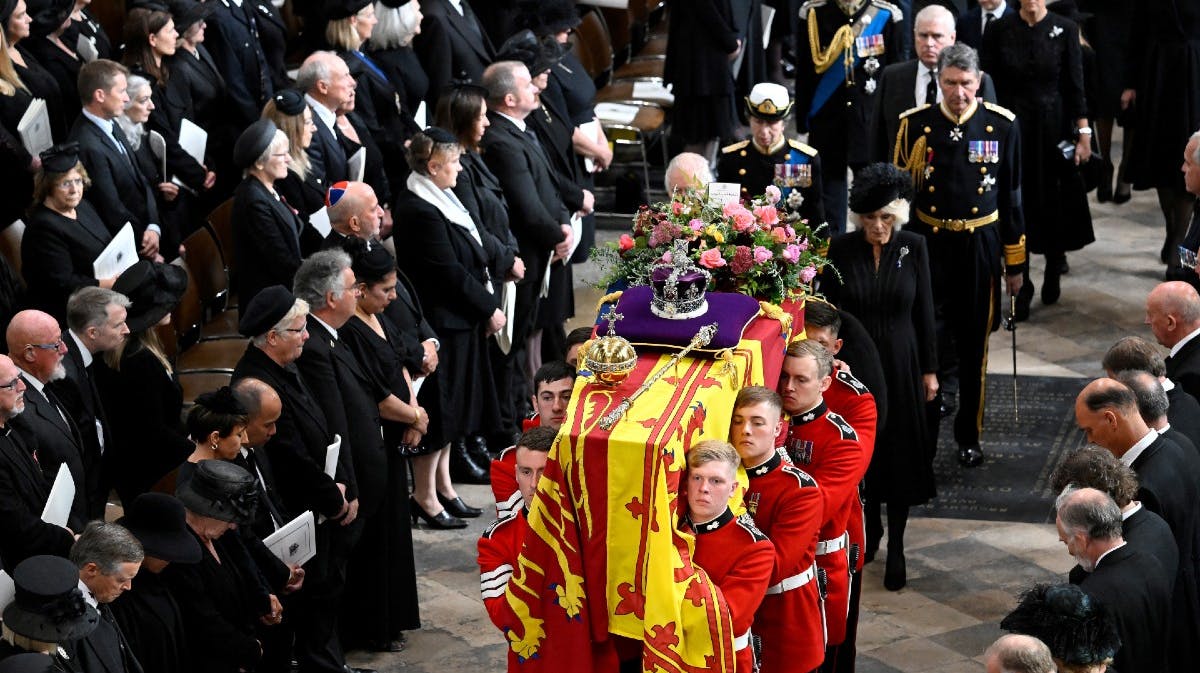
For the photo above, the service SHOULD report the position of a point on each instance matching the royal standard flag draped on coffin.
(604, 567)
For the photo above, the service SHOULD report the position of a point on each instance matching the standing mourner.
(964, 156)
(1035, 59)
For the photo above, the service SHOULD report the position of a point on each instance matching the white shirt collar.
(105, 125)
(33, 382)
(998, 12)
(1167, 384)
(1101, 558)
(84, 353)
(520, 123)
(329, 117)
(1134, 508)
(457, 5)
(87, 595)
(1183, 342)
(324, 324)
(1137, 449)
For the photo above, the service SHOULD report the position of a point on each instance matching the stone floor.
(963, 575)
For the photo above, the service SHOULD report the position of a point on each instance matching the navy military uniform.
(835, 103)
(754, 168)
(967, 179)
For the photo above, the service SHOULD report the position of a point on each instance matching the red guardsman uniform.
(503, 475)
(850, 399)
(498, 551)
(787, 505)
(823, 443)
(739, 559)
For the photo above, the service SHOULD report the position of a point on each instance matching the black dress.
(41, 84)
(1038, 72)
(90, 28)
(573, 93)
(895, 304)
(58, 253)
(63, 66)
(701, 35)
(389, 602)
(306, 196)
(150, 619)
(404, 70)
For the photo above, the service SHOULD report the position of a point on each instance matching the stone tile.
(989, 605)
(915, 654)
(960, 666)
(969, 641)
(869, 664)
(877, 631)
(930, 619)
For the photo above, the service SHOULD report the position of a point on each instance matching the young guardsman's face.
(753, 431)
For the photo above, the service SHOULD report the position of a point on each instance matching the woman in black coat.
(884, 280)
(447, 256)
(63, 236)
(266, 230)
(85, 25)
(702, 42)
(50, 19)
(391, 49)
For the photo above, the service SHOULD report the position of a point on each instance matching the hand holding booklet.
(62, 494)
(295, 542)
(118, 255)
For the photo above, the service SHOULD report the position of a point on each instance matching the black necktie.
(987, 20)
(931, 88)
(250, 462)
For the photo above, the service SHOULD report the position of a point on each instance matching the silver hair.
(959, 56)
(299, 308)
(134, 132)
(687, 167)
(934, 13)
(1089, 511)
(108, 545)
(395, 27)
(314, 69)
(500, 79)
(320, 275)
(1195, 152)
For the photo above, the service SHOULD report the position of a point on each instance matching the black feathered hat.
(547, 17)
(877, 185)
(1072, 624)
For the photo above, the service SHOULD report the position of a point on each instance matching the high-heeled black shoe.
(441, 521)
(895, 576)
(1123, 193)
(458, 508)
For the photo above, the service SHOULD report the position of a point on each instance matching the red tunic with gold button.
(787, 505)
(503, 475)
(739, 559)
(823, 444)
(850, 399)
(498, 551)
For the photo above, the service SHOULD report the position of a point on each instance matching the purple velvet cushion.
(731, 311)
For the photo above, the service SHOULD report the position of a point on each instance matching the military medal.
(869, 45)
(871, 65)
(800, 450)
(987, 183)
(956, 134)
(752, 503)
(869, 87)
(983, 151)
(793, 175)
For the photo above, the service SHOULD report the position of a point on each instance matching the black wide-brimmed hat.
(153, 290)
(343, 9)
(157, 520)
(28, 662)
(48, 605)
(188, 13)
(1076, 628)
(47, 15)
(220, 490)
(877, 185)
(547, 17)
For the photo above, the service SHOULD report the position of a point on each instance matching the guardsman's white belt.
(742, 641)
(793, 582)
(836, 544)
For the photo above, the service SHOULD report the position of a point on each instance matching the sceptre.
(701, 339)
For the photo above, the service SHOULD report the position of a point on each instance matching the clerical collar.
(773, 148)
(714, 524)
(763, 469)
(961, 119)
(810, 415)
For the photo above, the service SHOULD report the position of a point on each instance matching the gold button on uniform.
(742, 153)
(933, 209)
(980, 190)
(983, 169)
(988, 128)
(974, 210)
(928, 130)
(931, 188)
(741, 171)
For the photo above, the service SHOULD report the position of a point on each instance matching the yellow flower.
(715, 234)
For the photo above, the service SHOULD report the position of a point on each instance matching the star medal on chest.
(1055, 32)
(956, 134)
(987, 183)
(871, 65)
(869, 86)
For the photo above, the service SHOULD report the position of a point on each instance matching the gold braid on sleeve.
(911, 160)
(840, 45)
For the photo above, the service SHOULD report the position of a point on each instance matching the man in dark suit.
(907, 84)
(278, 327)
(36, 346)
(1152, 406)
(1173, 314)
(354, 212)
(452, 45)
(1136, 354)
(96, 323)
(120, 192)
(23, 487)
(1106, 410)
(108, 557)
(327, 85)
(233, 41)
(973, 22)
(1131, 585)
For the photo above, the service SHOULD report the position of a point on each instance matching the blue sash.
(370, 65)
(836, 75)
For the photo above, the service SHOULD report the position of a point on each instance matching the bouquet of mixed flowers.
(756, 248)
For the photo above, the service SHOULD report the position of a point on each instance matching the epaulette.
(810, 4)
(806, 480)
(911, 110)
(496, 525)
(807, 149)
(747, 523)
(841, 424)
(734, 147)
(855, 385)
(1000, 110)
(897, 13)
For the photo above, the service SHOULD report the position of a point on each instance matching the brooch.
(1055, 32)
(903, 252)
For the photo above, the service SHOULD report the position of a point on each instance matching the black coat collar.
(714, 525)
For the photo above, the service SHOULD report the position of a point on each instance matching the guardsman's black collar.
(810, 415)
(763, 469)
(715, 524)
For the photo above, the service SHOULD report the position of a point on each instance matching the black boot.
(477, 449)
(1051, 289)
(895, 575)
(462, 469)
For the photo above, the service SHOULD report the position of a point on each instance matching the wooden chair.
(620, 25)
(206, 263)
(217, 355)
(196, 383)
(10, 245)
(220, 222)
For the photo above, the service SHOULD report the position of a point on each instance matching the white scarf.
(448, 205)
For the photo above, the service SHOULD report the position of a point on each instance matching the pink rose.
(743, 220)
(626, 242)
(730, 208)
(666, 257)
(773, 194)
(803, 244)
(761, 255)
(696, 224)
(676, 207)
(779, 235)
(808, 273)
(767, 215)
(790, 232)
(792, 254)
(712, 258)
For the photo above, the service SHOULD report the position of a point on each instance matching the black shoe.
(1063, 267)
(895, 575)
(387, 645)
(1051, 289)
(970, 456)
(458, 508)
(463, 470)
(477, 449)
(1104, 190)
(1024, 299)
(441, 521)
(1123, 193)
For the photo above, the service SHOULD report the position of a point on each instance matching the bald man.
(1169, 485)
(36, 347)
(687, 170)
(354, 212)
(1016, 653)
(1173, 314)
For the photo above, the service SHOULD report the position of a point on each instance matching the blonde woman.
(301, 188)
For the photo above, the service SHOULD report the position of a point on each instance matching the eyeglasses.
(355, 290)
(47, 347)
(73, 182)
(13, 384)
(279, 154)
(294, 330)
